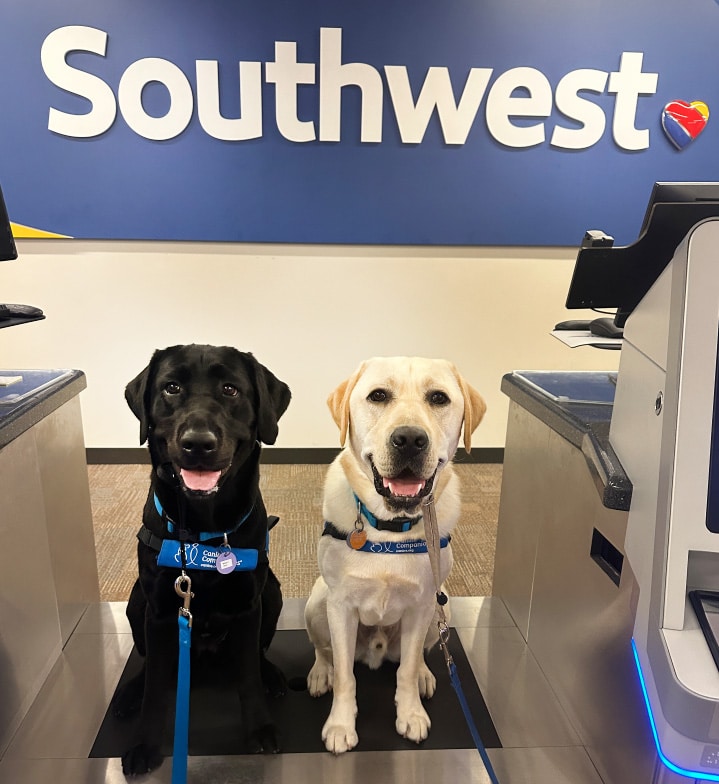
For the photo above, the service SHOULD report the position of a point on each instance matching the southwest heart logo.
(683, 122)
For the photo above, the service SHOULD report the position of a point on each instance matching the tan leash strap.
(431, 532)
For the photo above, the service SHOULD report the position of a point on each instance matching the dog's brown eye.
(171, 388)
(438, 398)
(378, 396)
(230, 390)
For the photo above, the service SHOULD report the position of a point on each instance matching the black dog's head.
(202, 409)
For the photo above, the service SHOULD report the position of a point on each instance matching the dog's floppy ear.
(339, 403)
(138, 398)
(474, 409)
(273, 397)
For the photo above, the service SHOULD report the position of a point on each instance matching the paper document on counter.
(583, 337)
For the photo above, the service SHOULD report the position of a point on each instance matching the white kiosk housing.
(662, 429)
(627, 658)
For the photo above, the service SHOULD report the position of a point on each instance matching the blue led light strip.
(692, 774)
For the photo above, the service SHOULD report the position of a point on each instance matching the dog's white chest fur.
(380, 587)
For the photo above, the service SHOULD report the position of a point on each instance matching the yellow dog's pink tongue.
(406, 487)
(200, 480)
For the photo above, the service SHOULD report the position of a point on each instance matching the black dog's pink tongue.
(200, 480)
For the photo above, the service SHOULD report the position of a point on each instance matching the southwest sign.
(493, 123)
(584, 123)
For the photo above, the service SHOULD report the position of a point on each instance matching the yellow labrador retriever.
(400, 422)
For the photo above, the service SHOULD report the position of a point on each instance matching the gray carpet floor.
(294, 493)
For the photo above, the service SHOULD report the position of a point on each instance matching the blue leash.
(243, 559)
(182, 703)
(432, 536)
(454, 678)
(457, 686)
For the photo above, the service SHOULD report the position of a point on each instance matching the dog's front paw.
(263, 740)
(320, 678)
(339, 738)
(426, 682)
(413, 725)
(141, 759)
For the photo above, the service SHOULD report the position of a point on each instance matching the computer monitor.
(8, 251)
(618, 277)
(677, 193)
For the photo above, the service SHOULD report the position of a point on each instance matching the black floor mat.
(214, 712)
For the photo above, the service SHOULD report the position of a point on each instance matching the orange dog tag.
(357, 539)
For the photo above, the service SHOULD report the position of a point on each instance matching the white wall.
(310, 313)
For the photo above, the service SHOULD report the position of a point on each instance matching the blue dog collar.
(203, 536)
(407, 547)
(398, 525)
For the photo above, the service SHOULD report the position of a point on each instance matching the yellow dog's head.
(402, 418)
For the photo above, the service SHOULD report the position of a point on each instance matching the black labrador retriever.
(203, 411)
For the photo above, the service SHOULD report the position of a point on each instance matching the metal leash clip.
(186, 594)
(358, 536)
(444, 635)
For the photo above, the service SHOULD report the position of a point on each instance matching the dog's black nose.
(198, 443)
(409, 441)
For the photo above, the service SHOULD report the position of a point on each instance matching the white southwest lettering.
(333, 77)
(628, 83)
(590, 116)
(517, 93)
(230, 129)
(456, 121)
(286, 74)
(102, 100)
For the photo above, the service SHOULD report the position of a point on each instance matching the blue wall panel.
(500, 174)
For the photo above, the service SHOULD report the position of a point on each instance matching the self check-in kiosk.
(666, 287)
(662, 429)
(631, 658)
